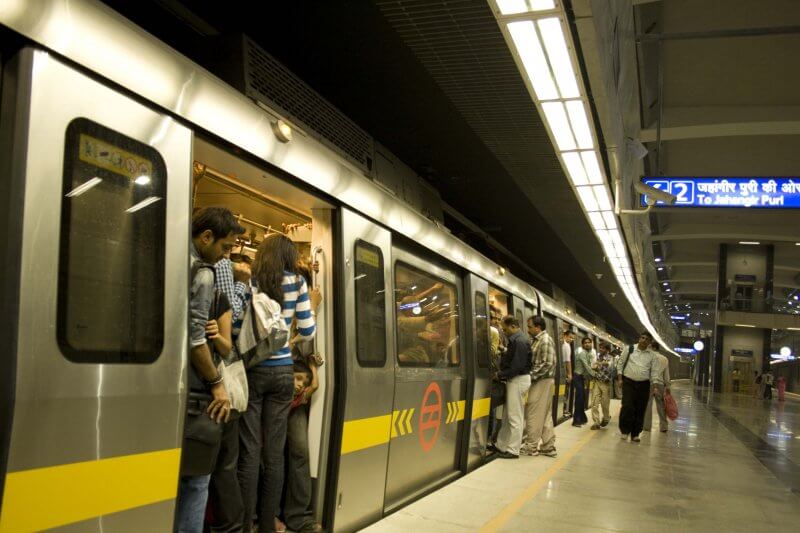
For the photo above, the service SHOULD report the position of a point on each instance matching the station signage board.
(755, 192)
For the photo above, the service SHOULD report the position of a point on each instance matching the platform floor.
(729, 463)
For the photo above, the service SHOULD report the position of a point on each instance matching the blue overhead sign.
(780, 193)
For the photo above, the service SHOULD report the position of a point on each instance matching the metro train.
(109, 138)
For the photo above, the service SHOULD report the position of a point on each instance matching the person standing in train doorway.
(636, 370)
(515, 368)
(567, 338)
(539, 407)
(214, 231)
(580, 375)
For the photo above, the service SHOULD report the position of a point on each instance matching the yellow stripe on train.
(43, 498)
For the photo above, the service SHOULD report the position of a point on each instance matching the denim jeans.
(191, 506)
(579, 407)
(226, 496)
(262, 437)
(297, 506)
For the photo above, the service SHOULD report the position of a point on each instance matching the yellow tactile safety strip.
(53, 496)
(363, 433)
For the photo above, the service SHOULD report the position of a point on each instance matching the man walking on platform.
(601, 390)
(659, 385)
(539, 408)
(567, 337)
(636, 369)
(515, 368)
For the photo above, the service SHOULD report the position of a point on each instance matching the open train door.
(365, 377)
(478, 333)
(94, 302)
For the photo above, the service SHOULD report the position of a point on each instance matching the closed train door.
(95, 300)
(429, 415)
(480, 342)
(366, 371)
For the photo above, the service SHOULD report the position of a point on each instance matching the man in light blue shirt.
(636, 369)
(580, 375)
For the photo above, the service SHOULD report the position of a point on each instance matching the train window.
(370, 305)
(427, 319)
(111, 256)
(518, 315)
(481, 330)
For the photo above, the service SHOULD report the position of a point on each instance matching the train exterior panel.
(95, 443)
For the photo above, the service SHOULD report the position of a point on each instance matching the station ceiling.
(730, 107)
(436, 83)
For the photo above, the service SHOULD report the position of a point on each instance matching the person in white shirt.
(567, 337)
(636, 369)
(658, 386)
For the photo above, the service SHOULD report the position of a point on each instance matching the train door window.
(370, 305)
(518, 315)
(427, 319)
(498, 303)
(481, 330)
(111, 256)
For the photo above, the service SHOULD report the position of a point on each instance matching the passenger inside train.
(266, 481)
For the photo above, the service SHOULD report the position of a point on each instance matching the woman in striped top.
(262, 429)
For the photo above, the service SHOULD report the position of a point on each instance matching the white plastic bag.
(234, 378)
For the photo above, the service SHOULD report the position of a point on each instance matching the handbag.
(234, 377)
(497, 393)
(670, 406)
(202, 437)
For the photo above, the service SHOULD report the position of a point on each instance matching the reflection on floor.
(727, 464)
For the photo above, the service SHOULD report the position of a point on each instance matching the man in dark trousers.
(515, 371)
(635, 370)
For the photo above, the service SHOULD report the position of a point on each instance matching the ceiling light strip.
(544, 49)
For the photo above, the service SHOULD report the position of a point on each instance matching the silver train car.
(108, 139)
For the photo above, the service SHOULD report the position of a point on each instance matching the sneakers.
(636, 439)
(549, 453)
(527, 450)
(604, 423)
(507, 455)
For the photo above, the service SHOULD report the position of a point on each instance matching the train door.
(558, 392)
(265, 204)
(530, 312)
(429, 414)
(95, 299)
(564, 357)
(365, 371)
(478, 335)
(519, 313)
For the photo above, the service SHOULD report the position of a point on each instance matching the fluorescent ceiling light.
(80, 189)
(523, 33)
(575, 169)
(744, 325)
(603, 201)
(658, 259)
(587, 198)
(610, 219)
(556, 46)
(559, 125)
(749, 242)
(793, 329)
(580, 124)
(144, 203)
(513, 7)
(596, 218)
(592, 166)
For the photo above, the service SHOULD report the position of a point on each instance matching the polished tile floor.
(729, 463)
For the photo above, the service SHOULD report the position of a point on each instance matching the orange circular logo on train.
(430, 416)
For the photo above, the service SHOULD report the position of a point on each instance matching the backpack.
(264, 330)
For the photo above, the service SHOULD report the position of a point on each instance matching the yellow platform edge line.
(365, 433)
(480, 408)
(53, 496)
